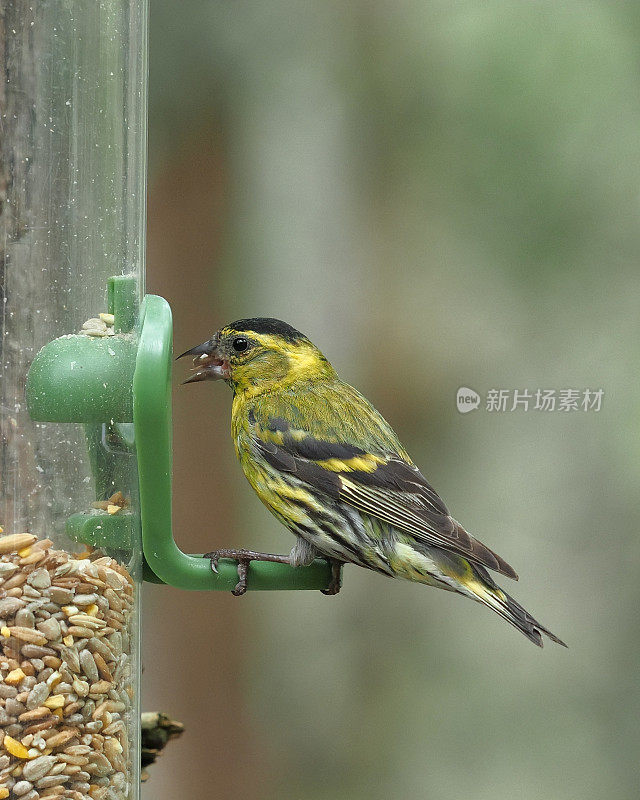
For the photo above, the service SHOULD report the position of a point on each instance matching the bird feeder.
(85, 411)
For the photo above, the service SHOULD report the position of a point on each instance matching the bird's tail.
(484, 589)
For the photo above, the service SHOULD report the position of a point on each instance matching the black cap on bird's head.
(239, 343)
(266, 326)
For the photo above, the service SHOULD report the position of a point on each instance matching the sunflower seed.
(38, 767)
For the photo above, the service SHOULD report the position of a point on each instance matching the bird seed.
(66, 676)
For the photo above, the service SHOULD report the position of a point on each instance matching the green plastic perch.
(108, 384)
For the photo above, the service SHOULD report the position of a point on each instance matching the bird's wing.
(378, 480)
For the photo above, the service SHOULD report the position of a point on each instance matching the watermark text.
(543, 400)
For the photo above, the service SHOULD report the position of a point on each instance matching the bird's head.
(257, 355)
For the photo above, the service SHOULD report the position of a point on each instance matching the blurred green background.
(440, 194)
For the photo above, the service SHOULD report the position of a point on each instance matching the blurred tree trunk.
(192, 641)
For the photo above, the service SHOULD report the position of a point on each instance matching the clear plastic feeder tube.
(72, 193)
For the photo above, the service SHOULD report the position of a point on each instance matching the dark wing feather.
(409, 511)
(394, 491)
(307, 471)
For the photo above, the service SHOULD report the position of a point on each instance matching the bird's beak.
(207, 363)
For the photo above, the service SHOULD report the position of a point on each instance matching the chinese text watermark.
(545, 400)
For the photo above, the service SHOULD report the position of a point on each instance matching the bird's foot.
(336, 577)
(243, 557)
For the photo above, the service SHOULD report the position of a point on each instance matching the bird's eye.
(240, 344)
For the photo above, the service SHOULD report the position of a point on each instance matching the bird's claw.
(242, 559)
(336, 578)
(241, 586)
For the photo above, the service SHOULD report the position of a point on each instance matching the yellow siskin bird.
(331, 469)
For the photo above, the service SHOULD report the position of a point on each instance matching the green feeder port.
(119, 386)
(79, 378)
